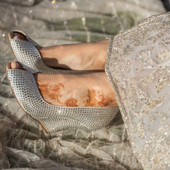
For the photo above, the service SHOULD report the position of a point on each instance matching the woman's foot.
(81, 56)
(86, 90)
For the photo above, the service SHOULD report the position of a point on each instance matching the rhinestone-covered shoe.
(52, 117)
(27, 54)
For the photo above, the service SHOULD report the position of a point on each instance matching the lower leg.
(80, 56)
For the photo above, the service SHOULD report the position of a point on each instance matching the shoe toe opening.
(17, 35)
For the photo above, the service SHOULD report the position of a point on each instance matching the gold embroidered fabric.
(138, 68)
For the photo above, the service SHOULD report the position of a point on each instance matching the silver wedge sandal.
(52, 117)
(28, 55)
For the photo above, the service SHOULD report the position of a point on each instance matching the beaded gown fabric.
(138, 67)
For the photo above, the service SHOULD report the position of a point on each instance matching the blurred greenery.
(107, 25)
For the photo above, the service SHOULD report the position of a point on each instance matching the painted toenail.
(17, 65)
(17, 35)
(9, 65)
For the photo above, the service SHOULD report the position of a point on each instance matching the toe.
(15, 65)
(18, 35)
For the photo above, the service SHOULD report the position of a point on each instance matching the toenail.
(17, 65)
(9, 65)
(11, 34)
(17, 35)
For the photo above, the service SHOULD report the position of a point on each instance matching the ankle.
(100, 55)
(51, 56)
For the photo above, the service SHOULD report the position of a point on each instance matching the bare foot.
(92, 89)
(81, 56)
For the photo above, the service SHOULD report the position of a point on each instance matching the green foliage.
(105, 25)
